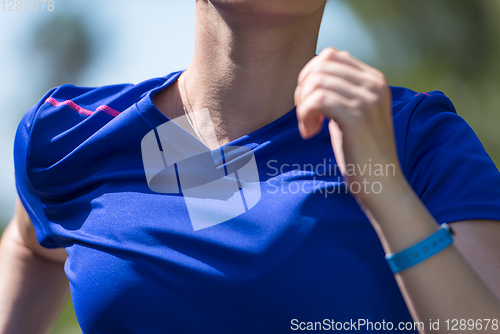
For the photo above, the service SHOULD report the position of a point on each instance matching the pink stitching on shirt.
(423, 94)
(108, 110)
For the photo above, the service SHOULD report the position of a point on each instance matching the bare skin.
(239, 46)
(33, 285)
(245, 74)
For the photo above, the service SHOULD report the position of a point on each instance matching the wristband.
(421, 251)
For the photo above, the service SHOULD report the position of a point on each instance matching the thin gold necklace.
(182, 91)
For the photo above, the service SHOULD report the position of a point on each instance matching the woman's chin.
(271, 8)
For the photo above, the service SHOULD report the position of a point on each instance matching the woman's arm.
(33, 285)
(357, 99)
(479, 243)
(444, 286)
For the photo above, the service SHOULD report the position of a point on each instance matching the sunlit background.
(446, 45)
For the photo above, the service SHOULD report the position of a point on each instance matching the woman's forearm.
(358, 101)
(33, 290)
(442, 287)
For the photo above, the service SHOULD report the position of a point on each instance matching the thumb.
(336, 137)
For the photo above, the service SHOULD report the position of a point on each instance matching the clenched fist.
(357, 100)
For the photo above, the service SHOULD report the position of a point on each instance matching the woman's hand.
(357, 99)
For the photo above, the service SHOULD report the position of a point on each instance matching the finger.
(320, 103)
(345, 57)
(314, 63)
(331, 68)
(312, 128)
(344, 71)
(337, 139)
(310, 66)
(330, 82)
(339, 63)
(370, 79)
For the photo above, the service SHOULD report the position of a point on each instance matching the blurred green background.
(446, 45)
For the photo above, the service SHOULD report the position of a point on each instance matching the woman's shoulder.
(421, 119)
(87, 101)
(72, 130)
(67, 106)
(406, 100)
(443, 159)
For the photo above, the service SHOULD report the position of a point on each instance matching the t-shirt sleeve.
(447, 165)
(26, 192)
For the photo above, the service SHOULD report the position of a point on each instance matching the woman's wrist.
(393, 188)
(398, 215)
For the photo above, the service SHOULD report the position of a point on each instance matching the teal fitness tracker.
(421, 251)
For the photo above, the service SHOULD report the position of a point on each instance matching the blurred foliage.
(67, 323)
(64, 46)
(447, 45)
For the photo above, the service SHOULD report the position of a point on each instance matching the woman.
(148, 254)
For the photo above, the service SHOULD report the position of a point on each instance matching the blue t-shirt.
(164, 235)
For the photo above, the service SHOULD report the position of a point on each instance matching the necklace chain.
(181, 91)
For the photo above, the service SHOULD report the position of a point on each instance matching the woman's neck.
(245, 68)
